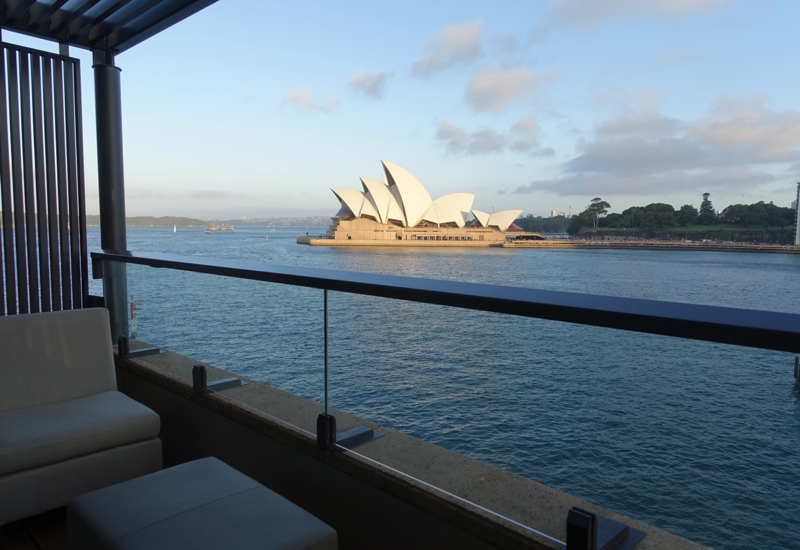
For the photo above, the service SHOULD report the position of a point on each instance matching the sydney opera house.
(400, 211)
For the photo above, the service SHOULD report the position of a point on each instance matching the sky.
(257, 108)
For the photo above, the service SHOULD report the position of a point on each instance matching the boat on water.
(267, 238)
(175, 229)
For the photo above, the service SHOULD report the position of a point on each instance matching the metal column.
(797, 216)
(111, 182)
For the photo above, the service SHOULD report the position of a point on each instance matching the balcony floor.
(46, 531)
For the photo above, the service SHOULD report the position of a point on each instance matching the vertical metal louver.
(43, 251)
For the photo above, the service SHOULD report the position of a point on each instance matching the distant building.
(563, 214)
(551, 214)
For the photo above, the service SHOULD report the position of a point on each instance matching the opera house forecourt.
(399, 211)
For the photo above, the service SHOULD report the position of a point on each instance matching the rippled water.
(700, 439)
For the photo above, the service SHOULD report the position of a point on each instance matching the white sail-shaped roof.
(458, 205)
(482, 217)
(368, 209)
(437, 214)
(403, 199)
(355, 201)
(502, 220)
(382, 199)
(413, 197)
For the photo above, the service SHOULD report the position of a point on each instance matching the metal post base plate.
(134, 353)
(225, 383)
(356, 436)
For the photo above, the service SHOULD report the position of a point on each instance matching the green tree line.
(557, 225)
(659, 216)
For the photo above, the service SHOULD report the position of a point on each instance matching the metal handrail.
(742, 327)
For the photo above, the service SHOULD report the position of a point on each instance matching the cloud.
(588, 13)
(372, 85)
(643, 151)
(141, 194)
(674, 181)
(507, 44)
(454, 45)
(303, 100)
(673, 56)
(494, 88)
(522, 137)
(211, 195)
(750, 130)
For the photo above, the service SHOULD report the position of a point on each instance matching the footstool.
(200, 504)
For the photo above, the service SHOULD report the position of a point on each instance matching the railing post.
(325, 314)
(111, 186)
(326, 423)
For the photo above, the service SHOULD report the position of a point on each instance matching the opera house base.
(323, 241)
(367, 232)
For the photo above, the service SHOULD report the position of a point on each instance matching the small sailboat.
(175, 229)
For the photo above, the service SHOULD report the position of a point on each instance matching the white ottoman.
(201, 504)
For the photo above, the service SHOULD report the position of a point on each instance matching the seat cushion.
(37, 436)
(201, 504)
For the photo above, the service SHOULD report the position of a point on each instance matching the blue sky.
(256, 109)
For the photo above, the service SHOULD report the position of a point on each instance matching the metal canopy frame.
(108, 25)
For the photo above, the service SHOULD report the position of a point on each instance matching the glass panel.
(267, 332)
(685, 435)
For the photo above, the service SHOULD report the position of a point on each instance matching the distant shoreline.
(560, 245)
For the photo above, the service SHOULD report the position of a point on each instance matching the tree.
(687, 215)
(707, 214)
(596, 209)
(664, 219)
(578, 222)
(633, 216)
(613, 221)
(657, 207)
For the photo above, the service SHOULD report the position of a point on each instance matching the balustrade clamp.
(200, 382)
(327, 437)
(125, 351)
(588, 531)
(326, 431)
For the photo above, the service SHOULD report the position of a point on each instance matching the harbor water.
(699, 439)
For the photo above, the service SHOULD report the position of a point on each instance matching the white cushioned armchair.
(64, 428)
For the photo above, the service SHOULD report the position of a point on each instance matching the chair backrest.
(51, 357)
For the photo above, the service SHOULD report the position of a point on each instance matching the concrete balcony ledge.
(394, 492)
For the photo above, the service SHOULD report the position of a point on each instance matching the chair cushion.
(37, 436)
(201, 504)
(56, 356)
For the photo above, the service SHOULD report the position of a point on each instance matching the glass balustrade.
(683, 434)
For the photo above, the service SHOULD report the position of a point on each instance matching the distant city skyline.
(533, 106)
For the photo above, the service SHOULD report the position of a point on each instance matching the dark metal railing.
(742, 327)
(43, 254)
